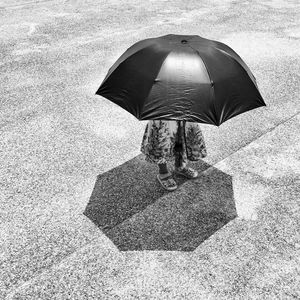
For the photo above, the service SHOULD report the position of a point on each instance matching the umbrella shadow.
(136, 213)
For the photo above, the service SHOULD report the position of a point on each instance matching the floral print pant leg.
(164, 140)
(180, 146)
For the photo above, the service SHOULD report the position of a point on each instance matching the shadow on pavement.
(136, 213)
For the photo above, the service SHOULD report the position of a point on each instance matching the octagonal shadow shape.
(136, 213)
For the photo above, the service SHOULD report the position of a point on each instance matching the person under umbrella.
(177, 82)
(175, 142)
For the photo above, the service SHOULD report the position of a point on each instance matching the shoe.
(187, 172)
(168, 182)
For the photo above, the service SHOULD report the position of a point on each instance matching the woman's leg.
(180, 162)
(163, 169)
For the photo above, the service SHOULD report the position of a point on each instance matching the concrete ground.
(81, 214)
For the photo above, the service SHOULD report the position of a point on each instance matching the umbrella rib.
(144, 103)
(139, 45)
(211, 81)
(242, 67)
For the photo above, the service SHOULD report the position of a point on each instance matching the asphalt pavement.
(81, 213)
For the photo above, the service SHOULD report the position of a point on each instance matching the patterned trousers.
(180, 155)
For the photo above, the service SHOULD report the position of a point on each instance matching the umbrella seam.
(131, 47)
(224, 51)
(98, 92)
(143, 106)
(243, 68)
(115, 66)
(211, 81)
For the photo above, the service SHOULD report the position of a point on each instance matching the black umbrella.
(181, 77)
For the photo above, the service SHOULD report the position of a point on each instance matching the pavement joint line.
(15, 289)
(258, 137)
(24, 4)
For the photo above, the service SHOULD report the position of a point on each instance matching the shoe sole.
(167, 189)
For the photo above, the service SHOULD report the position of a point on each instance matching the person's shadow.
(136, 213)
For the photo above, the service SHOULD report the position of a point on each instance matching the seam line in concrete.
(50, 268)
(260, 136)
(25, 4)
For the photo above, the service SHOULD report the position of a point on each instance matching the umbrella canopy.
(181, 77)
